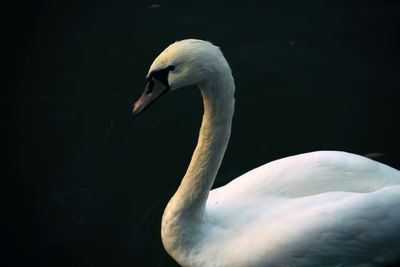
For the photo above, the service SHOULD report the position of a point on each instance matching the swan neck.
(218, 101)
(184, 214)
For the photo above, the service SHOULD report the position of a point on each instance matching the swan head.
(181, 64)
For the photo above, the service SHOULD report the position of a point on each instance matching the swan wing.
(332, 228)
(309, 174)
(322, 207)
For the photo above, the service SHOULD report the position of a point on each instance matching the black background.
(85, 182)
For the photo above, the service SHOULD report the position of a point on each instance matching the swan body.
(324, 208)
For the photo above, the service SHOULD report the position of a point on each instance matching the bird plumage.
(324, 208)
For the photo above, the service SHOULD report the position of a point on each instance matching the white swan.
(324, 208)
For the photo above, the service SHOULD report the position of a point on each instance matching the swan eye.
(161, 75)
(149, 87)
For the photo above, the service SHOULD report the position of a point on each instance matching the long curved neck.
(183, 216)
(190, 198)
(211, 146)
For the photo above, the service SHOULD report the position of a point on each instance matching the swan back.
(315, 173)
(318, 208)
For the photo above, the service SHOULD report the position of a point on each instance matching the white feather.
(325, 208)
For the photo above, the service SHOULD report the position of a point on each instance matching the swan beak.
(153, 91)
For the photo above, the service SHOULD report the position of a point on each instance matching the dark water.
(85, 182)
